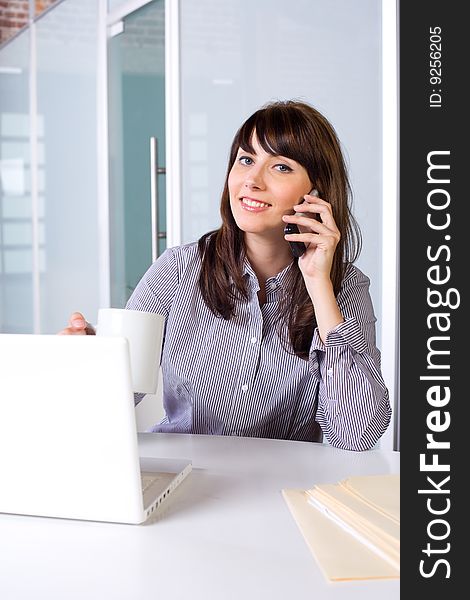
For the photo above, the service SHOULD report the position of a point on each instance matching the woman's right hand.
(78, 325)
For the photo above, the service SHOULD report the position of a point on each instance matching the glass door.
(136, 113)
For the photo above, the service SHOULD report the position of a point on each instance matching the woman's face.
(263, 187)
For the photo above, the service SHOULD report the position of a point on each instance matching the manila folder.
(339, 555)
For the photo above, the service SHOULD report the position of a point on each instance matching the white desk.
(226, 533)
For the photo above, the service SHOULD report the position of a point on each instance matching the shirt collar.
(279, 280)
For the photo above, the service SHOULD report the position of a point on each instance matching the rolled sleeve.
(353, 404)
(329, 357)
(349, 334)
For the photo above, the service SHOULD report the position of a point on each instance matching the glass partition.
(67, 115)
(16, 259)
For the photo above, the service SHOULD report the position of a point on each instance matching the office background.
(116, 119)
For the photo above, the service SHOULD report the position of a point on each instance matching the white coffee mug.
(144, 332)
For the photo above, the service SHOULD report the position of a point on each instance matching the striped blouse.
(235, 377)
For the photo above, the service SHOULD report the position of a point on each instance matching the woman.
(257, 341)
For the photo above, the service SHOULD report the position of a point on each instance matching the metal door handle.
(155, 170)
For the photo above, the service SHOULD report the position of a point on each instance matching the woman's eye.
(283, 168)
(245, 160)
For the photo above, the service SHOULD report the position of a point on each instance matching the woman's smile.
(254, 205)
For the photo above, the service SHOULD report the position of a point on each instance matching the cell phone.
(297, 248)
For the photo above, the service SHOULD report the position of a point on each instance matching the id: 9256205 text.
(435, 67)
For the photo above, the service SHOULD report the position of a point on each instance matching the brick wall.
(14, 15)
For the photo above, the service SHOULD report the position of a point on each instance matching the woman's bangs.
(245, 136)
(274, 136)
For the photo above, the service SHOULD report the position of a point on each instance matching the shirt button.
(253, 340)
(315, 365)
(244, 388)
(330, 372)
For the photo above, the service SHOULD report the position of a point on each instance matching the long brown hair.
(297, 131)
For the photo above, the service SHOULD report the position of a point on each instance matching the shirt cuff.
(348, 333)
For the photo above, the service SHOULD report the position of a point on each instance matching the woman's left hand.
(320, 237)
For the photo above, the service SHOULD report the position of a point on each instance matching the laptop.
(68, 436)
